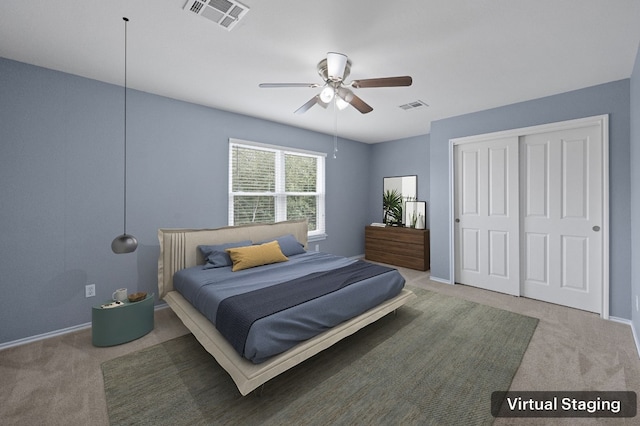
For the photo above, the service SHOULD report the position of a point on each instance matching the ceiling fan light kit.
(341, 103)
(345, 94)
(337, 66)
(334, 70)
(327, 94)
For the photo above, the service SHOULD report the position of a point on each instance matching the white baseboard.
(633, 330)
(56, 333)
(43, 336)
(440, 280)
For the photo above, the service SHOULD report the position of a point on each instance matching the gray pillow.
(288, 245)
(215, 256)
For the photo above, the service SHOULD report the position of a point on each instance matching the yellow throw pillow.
(250, 256)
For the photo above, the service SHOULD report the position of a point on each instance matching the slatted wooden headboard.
(179, 247)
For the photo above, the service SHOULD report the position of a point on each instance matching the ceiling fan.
(334, 70)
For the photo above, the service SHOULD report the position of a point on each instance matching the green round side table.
(114, 326)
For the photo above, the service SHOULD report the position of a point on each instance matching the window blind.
(269, 183)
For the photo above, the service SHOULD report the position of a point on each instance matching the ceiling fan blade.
(278, 85)
(383, 82)
(311, 102)
(348, 96)
(360, 105)
(304, 108)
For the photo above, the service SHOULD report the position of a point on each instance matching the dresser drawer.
(397, 260)
(406, 247)
(404, 235)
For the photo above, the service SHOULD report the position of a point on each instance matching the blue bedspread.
(268, 336)
(236, 314)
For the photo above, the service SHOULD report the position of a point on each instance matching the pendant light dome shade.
(125, 243)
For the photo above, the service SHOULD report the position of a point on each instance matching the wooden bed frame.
(178, 250)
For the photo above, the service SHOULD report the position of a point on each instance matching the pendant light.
(125, 243)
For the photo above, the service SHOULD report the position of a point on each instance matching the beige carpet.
(58, 381)
(435, 362)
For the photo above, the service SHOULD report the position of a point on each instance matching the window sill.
(313, 238)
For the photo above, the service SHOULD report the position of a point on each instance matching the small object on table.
(113, 304)
(136, 297)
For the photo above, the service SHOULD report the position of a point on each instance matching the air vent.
(226, 13)
(414, 105)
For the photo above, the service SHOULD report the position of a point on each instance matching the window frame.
(279, 194)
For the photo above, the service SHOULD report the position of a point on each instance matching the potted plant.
(392, 207)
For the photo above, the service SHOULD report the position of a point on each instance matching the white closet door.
(486, 215)
(562, 198)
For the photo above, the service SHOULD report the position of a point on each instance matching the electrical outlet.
(89, 290)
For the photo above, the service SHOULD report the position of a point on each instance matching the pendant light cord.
(125, 243)
(125, 123)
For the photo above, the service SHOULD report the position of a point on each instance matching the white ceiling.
(463, 55)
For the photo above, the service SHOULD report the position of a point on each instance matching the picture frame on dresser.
(415, 214)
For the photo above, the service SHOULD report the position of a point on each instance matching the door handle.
(457, 220)
(596, 228)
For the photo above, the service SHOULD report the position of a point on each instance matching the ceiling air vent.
(225, 13)
(414, 105)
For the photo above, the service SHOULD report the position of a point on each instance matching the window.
(270, 183)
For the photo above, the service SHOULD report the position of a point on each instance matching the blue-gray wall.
(61, 182)
(635, 190)
(611, 98)
(401, 157)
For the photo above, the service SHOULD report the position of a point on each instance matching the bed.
(179, 254)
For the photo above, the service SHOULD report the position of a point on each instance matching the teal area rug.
(435, 362)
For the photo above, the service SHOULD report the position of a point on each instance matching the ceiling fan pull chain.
(335, 128)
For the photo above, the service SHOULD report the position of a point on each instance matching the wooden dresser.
(398, 246)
